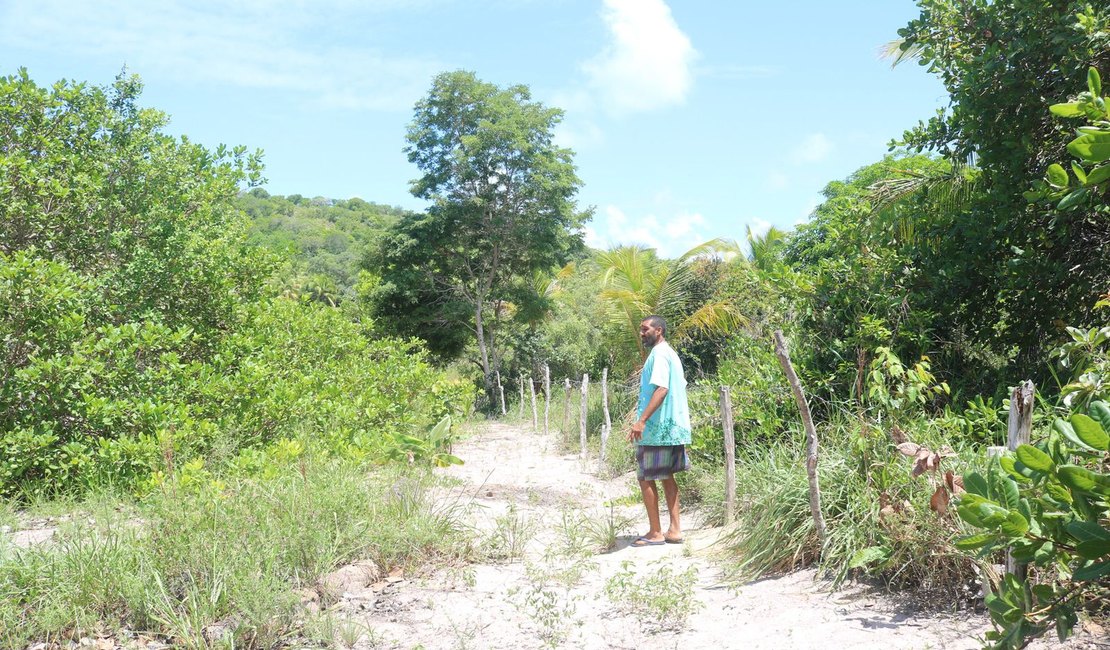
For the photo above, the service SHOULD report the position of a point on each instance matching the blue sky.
(691, 119)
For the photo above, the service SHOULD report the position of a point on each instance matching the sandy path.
(552, 598)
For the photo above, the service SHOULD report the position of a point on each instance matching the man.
(662, 431)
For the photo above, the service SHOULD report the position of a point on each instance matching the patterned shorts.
(656, 463)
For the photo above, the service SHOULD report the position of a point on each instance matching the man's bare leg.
(670, 491)
(651, 504)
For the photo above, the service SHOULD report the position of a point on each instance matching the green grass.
(774, 530)
(183, 559)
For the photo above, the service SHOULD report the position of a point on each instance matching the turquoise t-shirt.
(670, 424)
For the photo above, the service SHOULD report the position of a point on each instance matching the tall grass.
(869, 501)
(200, 555)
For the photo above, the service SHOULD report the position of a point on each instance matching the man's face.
(649, 335)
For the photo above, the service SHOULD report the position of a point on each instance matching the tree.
(503, 208)
(1012, 274)
(637, 283)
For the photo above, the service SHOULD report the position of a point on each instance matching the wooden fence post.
(535, 417)
(1018, 431)
(546, 396)
(582, 418)
(730, 454)
(607, 426)
(522, 396)
(783, 353)
(566, 409)
(501, 390)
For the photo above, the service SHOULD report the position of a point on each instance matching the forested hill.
(321, 241)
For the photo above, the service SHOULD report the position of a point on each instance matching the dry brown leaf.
(939, 501)
(909, 448)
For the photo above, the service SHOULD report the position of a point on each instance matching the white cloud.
(670, 236)
(759, 227)
(648, 62)
(815, 148)
(248, 44)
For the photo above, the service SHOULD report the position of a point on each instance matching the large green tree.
(1010, 274)
(503, 206)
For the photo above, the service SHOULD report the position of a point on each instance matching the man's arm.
(657, 397)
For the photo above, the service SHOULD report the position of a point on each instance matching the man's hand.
(637, 431)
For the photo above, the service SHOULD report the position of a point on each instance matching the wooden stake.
(522, 396)
(730, 454)
(566, 409)
(535, 417)
(783, 353)
(582, 418)
(501, 390)
(607, 426)
(546, 396)
(1018, 431)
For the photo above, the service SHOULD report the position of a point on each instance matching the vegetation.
(173, 332)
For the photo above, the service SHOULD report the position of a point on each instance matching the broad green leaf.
(1093, 147)
(974, 483)
(1056, 176)
(1098, 175)
(1086, 531)
(1080, 173)
(1090, 432)
(1072, 199)
(1094, 549)
(1008, 492)
(1082, 479)
(1094, 82)
(1100, 410)
(1015, 525)
(1069, 109)
(972, 542)
(991, 514)
(1092, 573)
(1058, 492)
(1017, 470)
(1034, 458)
(1065, 429)
(1045, 554)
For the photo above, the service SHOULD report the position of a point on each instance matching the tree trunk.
(482, 345)
(783, 354)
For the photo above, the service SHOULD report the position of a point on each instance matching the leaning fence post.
(730, 454)
(501, 390)
(582, 418)
(535, 417)
(783, 353)
(1018, 430)
(546, 396)
(607, 426)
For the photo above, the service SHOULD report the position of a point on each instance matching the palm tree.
(636, 283)
(764, 249)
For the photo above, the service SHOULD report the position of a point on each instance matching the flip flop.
(642, 541)
(672, 540)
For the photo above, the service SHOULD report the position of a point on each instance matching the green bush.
(1050, 504)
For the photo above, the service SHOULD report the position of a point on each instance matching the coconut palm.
(636, 283)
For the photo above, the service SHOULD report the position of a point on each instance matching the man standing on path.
(662, 431)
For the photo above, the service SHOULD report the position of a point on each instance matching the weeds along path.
(540, 520)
